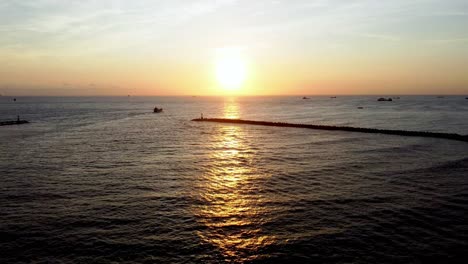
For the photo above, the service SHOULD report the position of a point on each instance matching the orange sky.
(290, 47)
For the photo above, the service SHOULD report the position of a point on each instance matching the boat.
(360, 107)
(305, 97)
(333, 97)
(157, 110)
(381, 99)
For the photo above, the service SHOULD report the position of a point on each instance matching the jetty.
(13, 122)
(451, 136)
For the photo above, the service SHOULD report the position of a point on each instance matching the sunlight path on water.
(232, 208)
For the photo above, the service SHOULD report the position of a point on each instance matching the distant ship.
(157, 110)
(305, 97)
(381, 99)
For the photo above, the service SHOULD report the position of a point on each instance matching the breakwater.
(451, 136)
(13, 122)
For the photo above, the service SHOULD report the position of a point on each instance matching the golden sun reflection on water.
(231, 109)
(231, 207)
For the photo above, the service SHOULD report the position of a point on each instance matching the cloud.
(49, 24)
(171, 27)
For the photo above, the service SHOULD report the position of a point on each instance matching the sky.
(295, 47)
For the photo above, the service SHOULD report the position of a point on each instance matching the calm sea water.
(104, 180)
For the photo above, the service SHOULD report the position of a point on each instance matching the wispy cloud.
(56, 24)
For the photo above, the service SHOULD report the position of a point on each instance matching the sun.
(231, 70)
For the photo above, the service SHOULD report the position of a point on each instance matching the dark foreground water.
(104, 180)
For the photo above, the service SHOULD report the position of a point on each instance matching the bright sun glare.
(230, 68)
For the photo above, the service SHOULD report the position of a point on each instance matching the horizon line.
(238, 95)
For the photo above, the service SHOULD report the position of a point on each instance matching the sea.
(106, 180)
